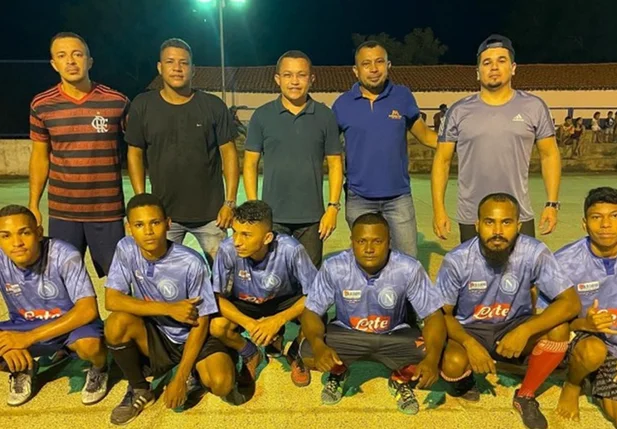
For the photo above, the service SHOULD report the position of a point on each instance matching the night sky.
(124, 35)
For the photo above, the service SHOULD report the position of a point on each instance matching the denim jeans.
(209, 237)
(398, 211)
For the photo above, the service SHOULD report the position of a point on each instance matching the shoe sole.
(95, 401)
(135, 416)
(331, 403)
(21, 403)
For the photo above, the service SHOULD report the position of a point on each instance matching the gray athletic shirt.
(494, 145)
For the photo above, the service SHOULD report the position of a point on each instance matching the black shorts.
(100, 237)
(165, 354)
(266, 309)
(488, 334)
(603, 381)
(395, 350)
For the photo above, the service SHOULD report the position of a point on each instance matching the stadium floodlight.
(221, 5)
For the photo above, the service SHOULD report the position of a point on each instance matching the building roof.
(450, 78)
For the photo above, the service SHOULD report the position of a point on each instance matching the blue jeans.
(398, 211)
(209, 237)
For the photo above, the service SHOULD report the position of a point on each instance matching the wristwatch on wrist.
(231, 204)
(554, 204)
(337, 206)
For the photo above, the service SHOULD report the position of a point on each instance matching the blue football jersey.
(50, 287)
(376, 303)
(180, 274)
(485, 294)
(287, 270)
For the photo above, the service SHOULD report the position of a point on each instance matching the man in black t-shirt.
(188, 137)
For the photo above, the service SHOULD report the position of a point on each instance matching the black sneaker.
(332, 392)
(466, 389)
(529, 409)
(133, 403)
(406, 401)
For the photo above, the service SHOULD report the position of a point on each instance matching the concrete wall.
(15, 154)
(584, 103)
(14, 157)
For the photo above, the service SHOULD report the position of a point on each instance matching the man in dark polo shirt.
(185, 134)
(294, 133)
(375, 116)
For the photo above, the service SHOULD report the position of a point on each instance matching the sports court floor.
(276, 402)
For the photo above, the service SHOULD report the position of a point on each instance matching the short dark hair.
(568, 117)
(610, 112)
(143, 200)
(369, 44)
(254, 211)
(69, 35)
(596, 114)
(14, 209)
(293, 54)
(176, 43)
(500, 197)
(373, 218)
(604, 194)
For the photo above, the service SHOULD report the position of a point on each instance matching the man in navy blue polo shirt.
(375, 116)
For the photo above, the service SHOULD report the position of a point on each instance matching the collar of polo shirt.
(309, 108)
(355, 90)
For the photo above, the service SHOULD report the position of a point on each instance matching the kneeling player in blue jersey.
(371, 286)
(590, 263)
(486, 283)
(262, 279)
(52, 306)
(161, 297)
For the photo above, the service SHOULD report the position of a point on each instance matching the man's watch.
(231, 204)
(337, 206)
(554, 204)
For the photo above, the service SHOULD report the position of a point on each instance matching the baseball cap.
(496, 41)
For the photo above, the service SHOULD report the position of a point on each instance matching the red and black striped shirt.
(85, 177)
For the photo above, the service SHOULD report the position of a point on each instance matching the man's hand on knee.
(18, 360)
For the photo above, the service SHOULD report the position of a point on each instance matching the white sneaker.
(95, 388)
(20, 387)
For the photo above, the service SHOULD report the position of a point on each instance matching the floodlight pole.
(221, 37)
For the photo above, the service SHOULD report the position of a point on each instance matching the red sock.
(545, 357)
(404, 374)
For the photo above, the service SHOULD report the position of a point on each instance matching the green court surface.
(276, 402)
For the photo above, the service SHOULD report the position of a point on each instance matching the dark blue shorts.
(49, 347)
(100, 237)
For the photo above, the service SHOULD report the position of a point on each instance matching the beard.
(497, 258)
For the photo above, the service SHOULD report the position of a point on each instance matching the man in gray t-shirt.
(493, 133)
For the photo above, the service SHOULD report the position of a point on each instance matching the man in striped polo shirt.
(76, 127)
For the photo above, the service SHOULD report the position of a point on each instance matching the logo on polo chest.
(395, 115)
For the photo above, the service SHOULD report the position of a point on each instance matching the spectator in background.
(596, 129)
(565, 132)
(609, 127)
(579, 130)
(439, 116)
